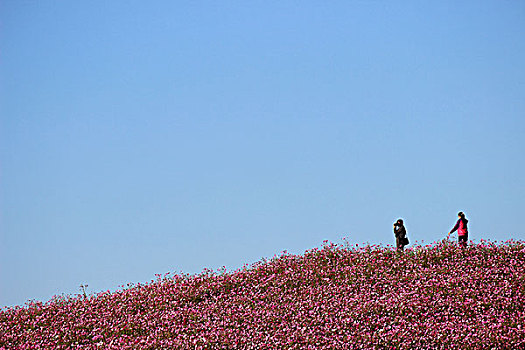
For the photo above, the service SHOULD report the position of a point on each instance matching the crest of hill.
(334, 297)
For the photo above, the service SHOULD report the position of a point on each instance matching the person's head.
(461, 215)
(399, 222)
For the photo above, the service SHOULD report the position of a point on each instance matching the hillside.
(337, 297)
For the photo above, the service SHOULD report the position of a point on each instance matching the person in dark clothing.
(400, 232)
(461, 227)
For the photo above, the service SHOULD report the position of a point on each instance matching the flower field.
(438, 296)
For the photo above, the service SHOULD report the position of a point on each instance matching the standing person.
(400, 232)
(461, 227)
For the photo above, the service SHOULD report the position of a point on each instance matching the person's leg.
(462, 240)
(399, 244)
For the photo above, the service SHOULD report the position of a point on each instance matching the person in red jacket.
(461, 227)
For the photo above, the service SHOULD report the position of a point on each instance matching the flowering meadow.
(439, 296)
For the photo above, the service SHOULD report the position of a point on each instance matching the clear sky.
(139, 138)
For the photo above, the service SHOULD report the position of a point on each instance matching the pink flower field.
(438, 296)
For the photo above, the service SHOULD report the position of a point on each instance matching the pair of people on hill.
(461, 226)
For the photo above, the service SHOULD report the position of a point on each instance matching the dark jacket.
(400, 231)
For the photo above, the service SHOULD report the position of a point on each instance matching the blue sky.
(139, 138)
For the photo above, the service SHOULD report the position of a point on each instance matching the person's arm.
(455, 227)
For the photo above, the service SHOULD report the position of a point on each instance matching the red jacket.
(461, 226)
